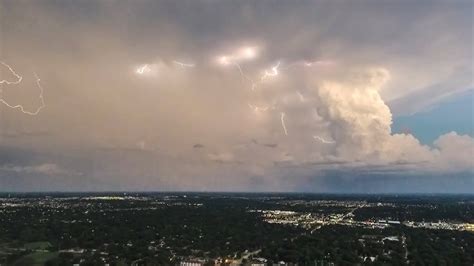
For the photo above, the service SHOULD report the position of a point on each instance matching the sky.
(314, 96)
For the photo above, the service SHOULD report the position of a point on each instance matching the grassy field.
(36, 258)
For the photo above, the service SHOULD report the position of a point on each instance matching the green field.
(36, 258)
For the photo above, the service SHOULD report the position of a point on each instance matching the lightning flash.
(323, 140)
(243, 54)
(272, 73)
(319, 63)
(143, 69)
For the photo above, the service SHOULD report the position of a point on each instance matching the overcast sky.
(237, 95)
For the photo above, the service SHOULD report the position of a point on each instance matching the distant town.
(194, 229)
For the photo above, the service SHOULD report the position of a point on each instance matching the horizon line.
(232, 192)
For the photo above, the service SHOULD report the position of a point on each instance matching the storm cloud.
(228, 95)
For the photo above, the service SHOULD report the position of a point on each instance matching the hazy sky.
(237, 95)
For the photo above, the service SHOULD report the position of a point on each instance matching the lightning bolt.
(229, 60)
(244, 76)
(244, 54)
(183, 65)
(18, 81)
(268, 73)
(316, 137)
(18, 77)
(282, 118)
(273, 72)
(310, 63)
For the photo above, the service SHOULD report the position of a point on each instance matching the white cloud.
(48, 169)
(454, 152)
